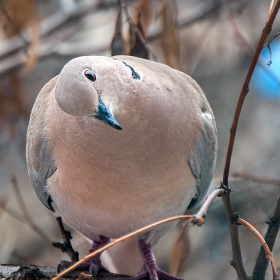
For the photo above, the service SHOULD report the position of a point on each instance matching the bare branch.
(137, 36)
(204, 208)
(195, 219)
(181, 248)
(205, 10)
(237, 33)
(26, 215)
(231, 216)
(121, 239)
(265, 246)
(237, 261)
(10, 211)
(272, 39)
(256, 179)
(117, 43)
(250, 50)
(270, 237)
(270, 10)
(245, 90)
(180, 252)
(66, 246)
(37, 272)
(170, 37)
(54, 46)
(21, 36)
(25, 272)
(3, 203)
(47, 26)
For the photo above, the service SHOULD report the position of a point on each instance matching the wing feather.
(203, 159)
(40, 164)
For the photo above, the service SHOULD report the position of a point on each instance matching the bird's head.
(91, 86)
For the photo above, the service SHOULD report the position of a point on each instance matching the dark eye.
(90, 75)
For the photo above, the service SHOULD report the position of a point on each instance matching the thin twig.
(231, 216)
(3, 203)
(250, 50)
(135, 27)
(4, 11)
(195, 219)
(47, 26)
(256, 179)
(201, 48)
(121, 239)
(26, 215)
(66, 246)
(245, 90)
(10, 211)
(265, 246)
(270, 237)
(203, 209)
(270, 10)
(12, 47)
(272, 39)
(117, 44)
(239, 36)
(237, 261)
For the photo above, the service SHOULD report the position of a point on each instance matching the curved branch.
(265, 246)
(121, 239)
(204, 208)
(195, 219)
(231, 216)
(270, 237)
(245, 89)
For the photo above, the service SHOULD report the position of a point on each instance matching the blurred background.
(211, 40)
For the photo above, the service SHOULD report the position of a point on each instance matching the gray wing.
(203, 159)
(40, 164)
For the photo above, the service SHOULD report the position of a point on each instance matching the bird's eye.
(90, 75)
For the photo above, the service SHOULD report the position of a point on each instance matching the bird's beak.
(104, 114)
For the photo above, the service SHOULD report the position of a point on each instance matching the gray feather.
(39, 178)
(203, 159)
(40, 164)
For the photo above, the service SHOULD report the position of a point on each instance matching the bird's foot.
(150, 267)
(93, 265)
(153, 274)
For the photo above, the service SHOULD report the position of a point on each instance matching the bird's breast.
(110, 182)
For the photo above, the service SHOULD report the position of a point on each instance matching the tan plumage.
(109, 182)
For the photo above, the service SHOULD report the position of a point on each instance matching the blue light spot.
(266, 77)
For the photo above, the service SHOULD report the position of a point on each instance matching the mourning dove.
(119, 143)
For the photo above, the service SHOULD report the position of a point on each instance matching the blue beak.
(105, 115)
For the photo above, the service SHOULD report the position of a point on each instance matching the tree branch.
(245, 89)
(3, 202)
(25, 213)
(231, 216)
(265, 246)
(66, 246)
(270, 237)
(11, 55)
(195, 219)
(28, 272)
(47, 26)
(256, 179)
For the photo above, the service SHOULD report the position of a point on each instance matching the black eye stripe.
(135, 75)
(90, 75)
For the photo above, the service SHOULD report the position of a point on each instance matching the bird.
(117, 143)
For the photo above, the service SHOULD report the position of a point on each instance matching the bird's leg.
(150, 266)
(94, 264)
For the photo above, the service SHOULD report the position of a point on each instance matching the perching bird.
(119, 143)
